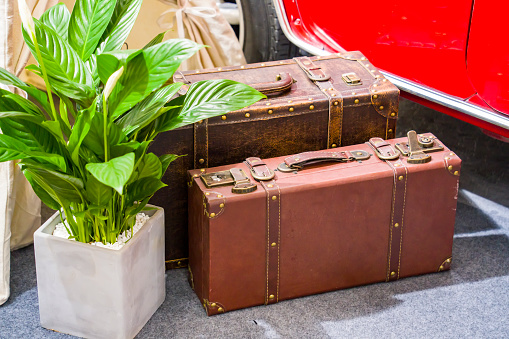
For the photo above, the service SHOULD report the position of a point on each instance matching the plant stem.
(105, 130)
(45, 77)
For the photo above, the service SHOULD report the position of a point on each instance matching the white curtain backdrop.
(20, 209)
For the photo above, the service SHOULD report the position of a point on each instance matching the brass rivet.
(223, 117)
(333, 145)
(268, 104)
(221, 205)
(367, 65)
(381, 107)
(219, 69)
(297, 159)
(262, 64)
(373, 90)
(202, 169)
(179, 263)
(375, 96)
(393, 114)
(397, 225)
(274, 197)
(393, 274)
(449, 167)
(207, 193)
(212, 215)
(201, 161)
(400, 177)
(310, 99)
(242, 66)
(356, 101)
(196, 175)
(247, 115)
(270, 111)
(213, 305)
(451, 153)
(353, 93)
(441, 267)
(331, 89)
(219, 195)
(291, 109)
(375, 85)
(456, 173)
(220, 309)
(363, 58)
(384, 80)
(336, 103)
(271, 296)
(448, 261)
(397, 165)
(273, 244)
(281, 62)
(333, 95)
(446, 158)
(311, 107)
(270, 185)
(390, 130)
(372, 71)
(290, 101)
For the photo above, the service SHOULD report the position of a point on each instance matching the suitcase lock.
(235, 176)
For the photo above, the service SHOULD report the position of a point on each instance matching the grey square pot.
(94, 292)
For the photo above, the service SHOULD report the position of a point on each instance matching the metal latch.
(417, 155)
(428, 144)
(235, 176)
(351, 79)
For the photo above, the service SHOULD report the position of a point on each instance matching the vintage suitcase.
(313, 103)
(323, 221)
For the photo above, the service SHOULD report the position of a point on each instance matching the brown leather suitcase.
(327, 220)
(313, 103)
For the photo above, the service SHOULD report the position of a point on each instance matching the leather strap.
(201, 144)
(308, 158)
(273, 194)
(400, 178)
(321, 80)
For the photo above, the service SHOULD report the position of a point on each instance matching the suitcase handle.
(284, 82)
(298, 161)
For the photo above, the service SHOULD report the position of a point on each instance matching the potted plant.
(85, 155)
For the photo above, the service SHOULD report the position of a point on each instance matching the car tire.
(263, 38)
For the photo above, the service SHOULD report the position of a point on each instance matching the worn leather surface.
(334, 229)
(287, 122)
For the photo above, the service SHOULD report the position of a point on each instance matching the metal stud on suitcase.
(313, 103)
(262, 231)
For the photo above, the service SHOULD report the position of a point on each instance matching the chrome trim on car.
(432, 95)
(441, 98)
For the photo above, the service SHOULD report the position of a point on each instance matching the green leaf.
(206, 99)
(83, 94)
(59, 58)
(40, 192)
(11, 148)
(109, 62)
(21, 115)
(147, 71)
(115, 172)
(97, 193)
(121, 23)
(156, 40)
(166, 160)
(8, 79)
(149, 166)
(148, 109)
(57, 17)
(27, 105)
(143, 188)
(62, 188)
(79, 132)
(121, 149)
(39, 142)
(88, 21)
(94, 140)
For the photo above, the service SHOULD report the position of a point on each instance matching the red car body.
(448, 55)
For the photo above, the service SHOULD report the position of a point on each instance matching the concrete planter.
(95, 292)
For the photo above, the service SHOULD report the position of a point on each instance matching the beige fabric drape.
(20, 209)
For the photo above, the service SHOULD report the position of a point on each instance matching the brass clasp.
(351, 79)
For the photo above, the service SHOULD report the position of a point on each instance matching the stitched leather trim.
(201, 144)
(273, 194)
(335, 100)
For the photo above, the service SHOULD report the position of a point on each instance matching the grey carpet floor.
(470, 301)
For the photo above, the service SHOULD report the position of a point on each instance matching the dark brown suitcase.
(313, 103)
(320, 225)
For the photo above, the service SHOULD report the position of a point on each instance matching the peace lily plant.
(86, 153)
